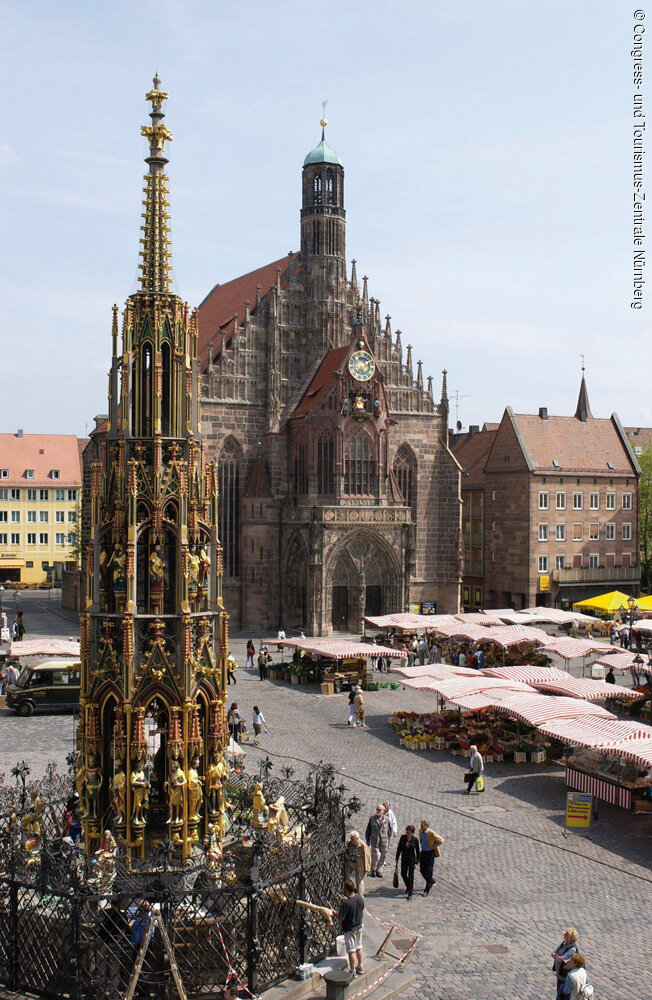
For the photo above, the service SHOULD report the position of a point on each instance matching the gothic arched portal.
(363, 577)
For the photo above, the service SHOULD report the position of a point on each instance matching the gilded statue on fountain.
(152, 729)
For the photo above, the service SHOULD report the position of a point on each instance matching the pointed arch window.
(228, 507)
(300, 470)
(316, 242)
(166, 389)
(330, 187)
(405, 470)
(146, 391)
(325, 455)
(316, 190)
(359, 466)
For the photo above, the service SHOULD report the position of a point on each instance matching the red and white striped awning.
(557, 616)
(596, 732)
(570, 649)
(337, 649)
(585, 688)
(44, 648)
(410, 623)
(484, 618)
(537, 709)
(639, 751)
(622, 659)
(643, 626)
(526, 673)
(512, 635)
(439, 671)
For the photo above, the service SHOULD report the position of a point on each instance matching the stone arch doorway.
(363, 577)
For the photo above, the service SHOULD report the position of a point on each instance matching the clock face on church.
(362, 366)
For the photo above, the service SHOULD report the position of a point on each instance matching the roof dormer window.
(55, 474)
(4, 473)
(29, 473)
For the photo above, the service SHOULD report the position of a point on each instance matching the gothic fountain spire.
(156, 257)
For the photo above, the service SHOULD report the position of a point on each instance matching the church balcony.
(354, 513)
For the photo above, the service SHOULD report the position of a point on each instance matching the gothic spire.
(155, 267)
(583, 411)
(444, 390)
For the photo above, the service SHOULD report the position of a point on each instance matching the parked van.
(50, 686)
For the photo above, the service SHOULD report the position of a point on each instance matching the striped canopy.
(570, 649)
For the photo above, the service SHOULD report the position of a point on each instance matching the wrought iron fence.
(68, 931)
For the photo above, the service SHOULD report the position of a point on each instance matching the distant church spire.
(156, 258)
(583, 411)
(444, 390)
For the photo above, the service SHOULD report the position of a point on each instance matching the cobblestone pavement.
(508, 883)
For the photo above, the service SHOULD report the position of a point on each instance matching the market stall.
(336, 664)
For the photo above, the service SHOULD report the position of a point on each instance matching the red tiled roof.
(321, 380)
(216, 311)
(578, 446)
(471, 452)
(639, 437)
(42, 453)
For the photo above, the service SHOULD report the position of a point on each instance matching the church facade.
(338, 493)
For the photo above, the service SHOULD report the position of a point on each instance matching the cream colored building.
(40, 502)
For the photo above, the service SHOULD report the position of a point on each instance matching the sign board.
(544, 584)
(429, 607)
(579, 806)
(415, 609)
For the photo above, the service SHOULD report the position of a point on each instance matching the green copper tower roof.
(322, 153)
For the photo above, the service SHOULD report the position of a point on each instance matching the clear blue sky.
(488, 157)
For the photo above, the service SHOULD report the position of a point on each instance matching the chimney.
(543, 412)
(474, 429)
(19, 433)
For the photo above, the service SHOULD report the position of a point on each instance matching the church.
(339, 496)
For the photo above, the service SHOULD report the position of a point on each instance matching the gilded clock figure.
(362, 366)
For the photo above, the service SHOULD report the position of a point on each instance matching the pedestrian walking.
(262, 665)
(259, 721)
(358, 860)
(577, 985)
(475, 772)
(412, 650)
(391, 820)
(429, 843)
(234, 721)
(231, 667)
(422, 649)
(377, 838)
(408, 853)
(21, 628)
(351, 701)
(350, 915)
(561, 956)
(358, 704)
(251, 652)
(281, 635)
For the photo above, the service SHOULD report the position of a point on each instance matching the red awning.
(337, 649)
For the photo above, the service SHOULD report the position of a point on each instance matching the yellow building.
(40, 494)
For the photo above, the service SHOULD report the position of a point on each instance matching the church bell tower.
(323, 225)
(154, 632)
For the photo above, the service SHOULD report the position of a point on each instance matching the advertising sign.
(578, 810)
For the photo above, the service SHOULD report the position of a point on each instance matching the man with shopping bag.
(474, 776)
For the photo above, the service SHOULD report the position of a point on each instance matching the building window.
(578, 531)
(560, 532)
(578, 501)
(44, 494)
(560, 562)
(60, 516)
(4, 493)
(72, 538)
(31, 494)
(594, 532)
(31, 538)
(54, 473)
(300, 470)
(31, 517)
(4, 473)
(72, 495)
(43, 538)
(627, 532)
(594, 501)
(359, 466)
(228, 507)
(15, 538)
(405, 472)
(29, 473)
(543, 499)
(627, 501)
(544, 533)
(493, 494)
(610, 532)
(60, 538)
(43, 516)
(316, 190)
(594, 560)
(611, 501)
(15, 517)
(560, 499)
(543, 564)
(15, 494)
(325, 455)
(60, 495)
(72, 517)
(4, 516)
(3, 538)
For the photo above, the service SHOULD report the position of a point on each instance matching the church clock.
(362, 366)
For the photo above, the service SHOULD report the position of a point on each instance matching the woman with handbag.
(408, 852)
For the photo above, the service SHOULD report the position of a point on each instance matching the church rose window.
(325, 485)
(404, 470)
(359, 467)
(228, 507)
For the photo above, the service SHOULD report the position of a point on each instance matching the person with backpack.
(577, 985)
